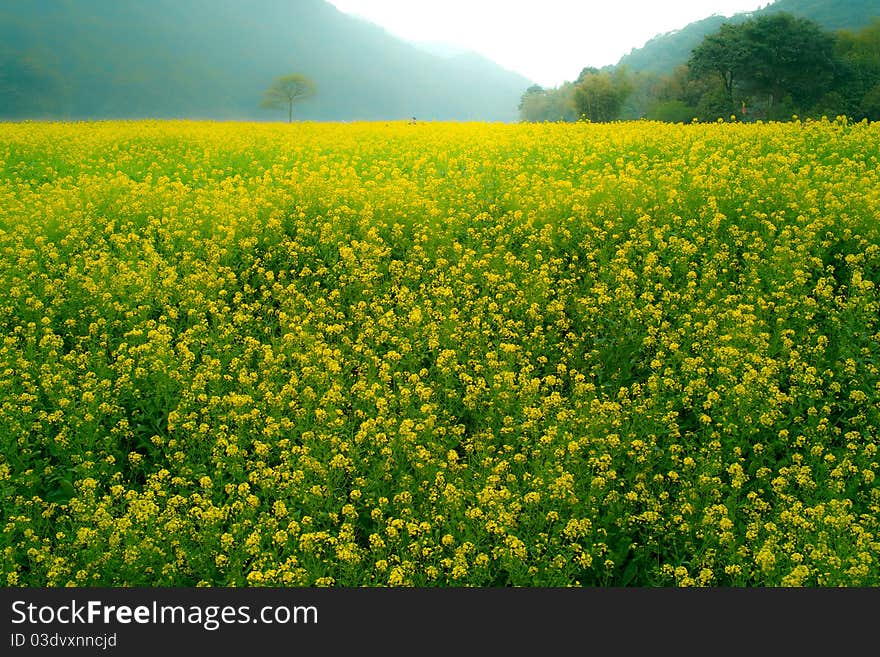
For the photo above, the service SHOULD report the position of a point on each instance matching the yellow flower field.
(440, 354)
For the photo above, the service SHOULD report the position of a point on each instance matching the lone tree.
(286, 90)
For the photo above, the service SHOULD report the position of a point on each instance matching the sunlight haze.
(548, 42)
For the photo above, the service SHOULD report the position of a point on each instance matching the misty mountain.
(212, 59)
(666, 51)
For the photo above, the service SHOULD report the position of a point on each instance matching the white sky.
(548, 41)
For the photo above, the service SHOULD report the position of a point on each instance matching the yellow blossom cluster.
(440, 354)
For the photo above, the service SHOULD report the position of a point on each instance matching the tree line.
(770, 67)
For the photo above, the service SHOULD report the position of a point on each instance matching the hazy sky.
(548, 41)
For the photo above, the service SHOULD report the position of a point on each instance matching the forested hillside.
(666, 51)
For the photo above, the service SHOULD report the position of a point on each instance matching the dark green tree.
(788, 57)
(858, 81)
(781, 63)
(726, 54)
(869, 106)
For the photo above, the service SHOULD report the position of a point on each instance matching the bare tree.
(286, 90)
